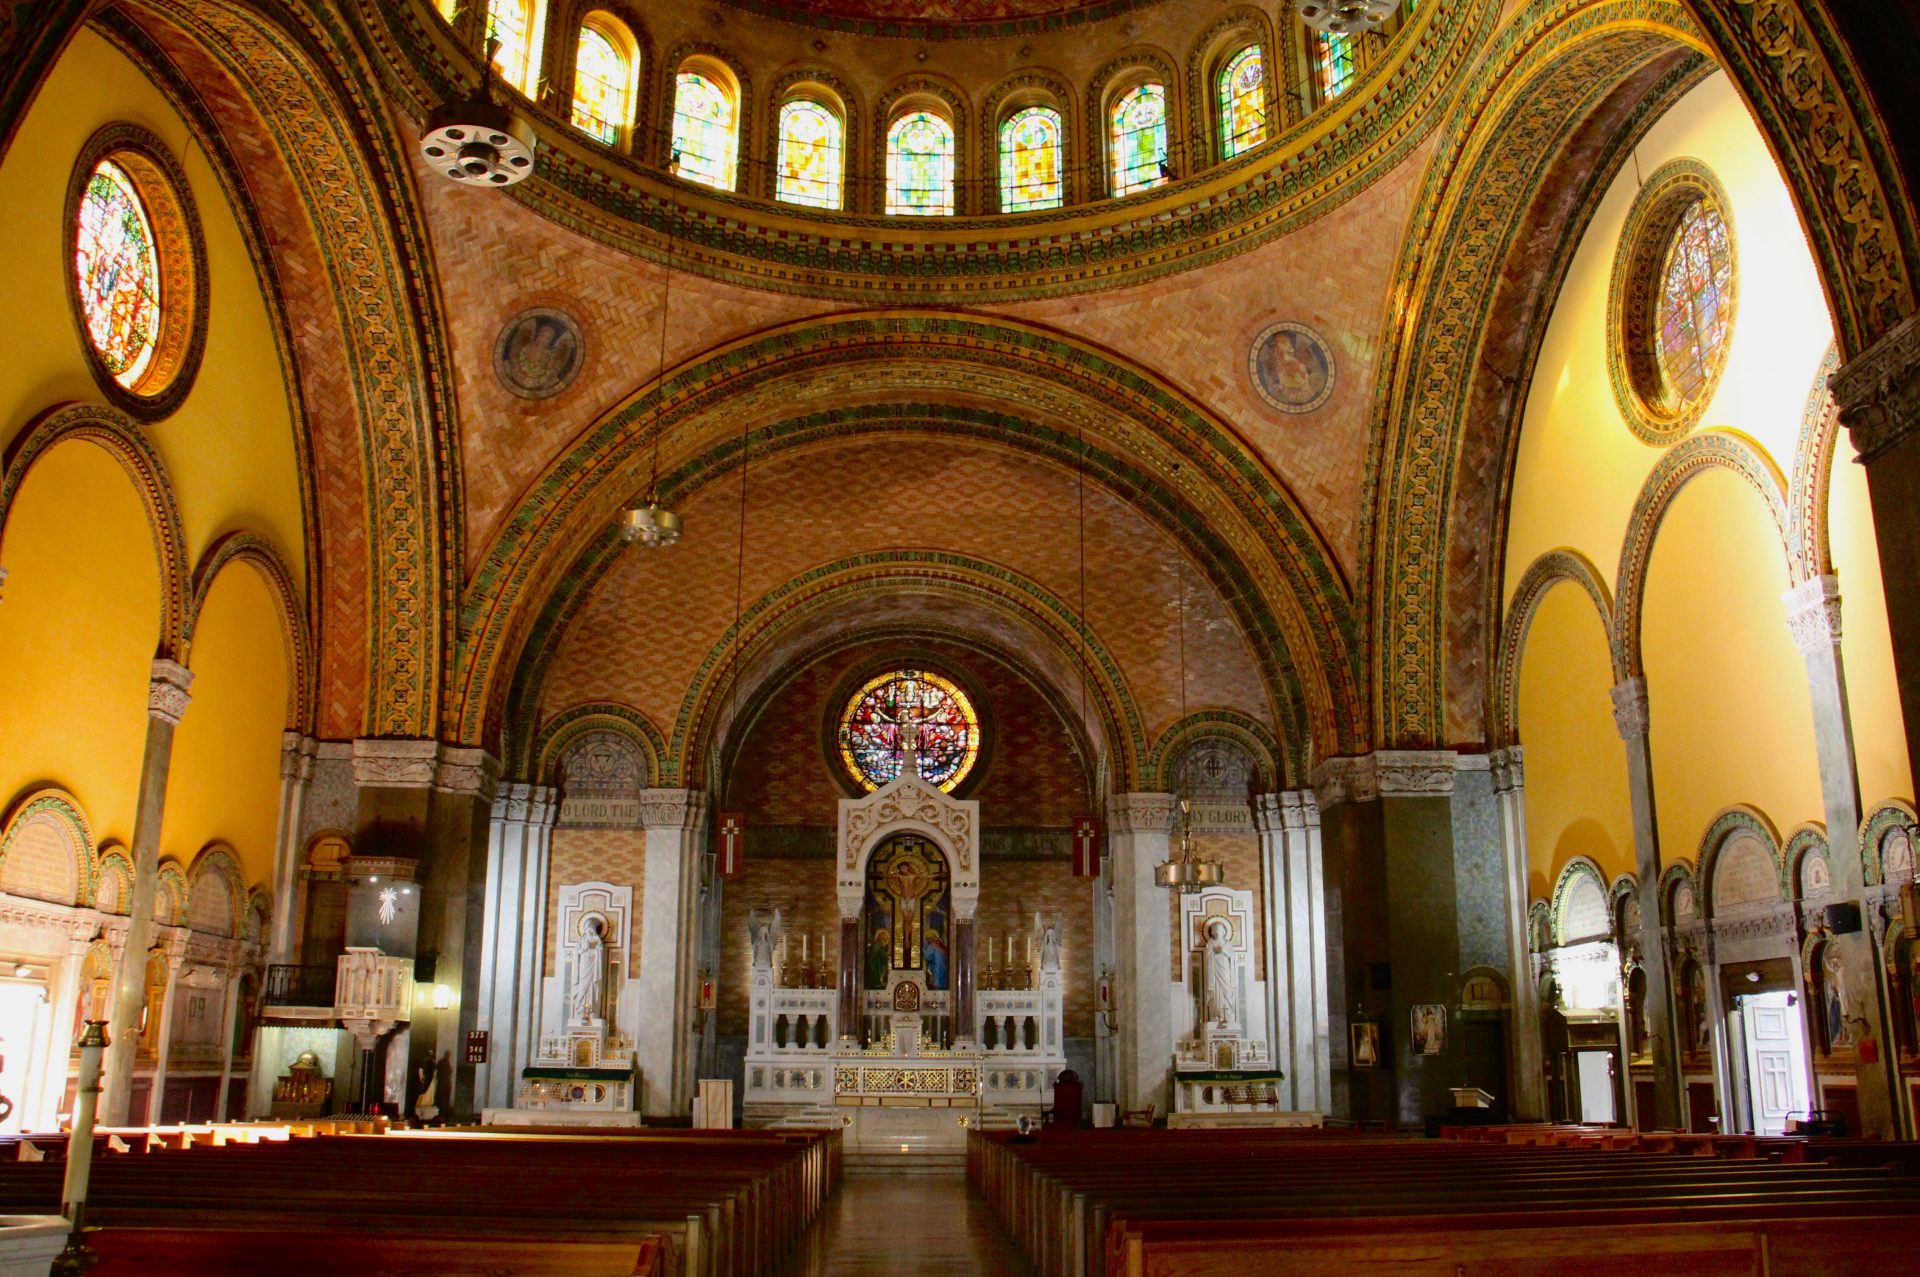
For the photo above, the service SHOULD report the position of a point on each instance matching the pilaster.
(296, 773)
(1529, 1055)
(513, 944)
(1140, 826)
(675, 821)
(168, 695)
(1292, 881)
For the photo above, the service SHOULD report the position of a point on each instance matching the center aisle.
(905, 1226)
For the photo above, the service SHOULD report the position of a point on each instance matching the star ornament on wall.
(389, 904)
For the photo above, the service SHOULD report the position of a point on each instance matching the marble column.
(1813, 616)
(1141, 826)
(167, 699)
(847, 1010)
(1529, 1049)
(675, 821)
(514, 936)
(1292, 883)
(296, 772)
(59, 1049)
(1663, 1037)
(966, 1016)
(229, 1009)
(163, 1040)
(453, 880)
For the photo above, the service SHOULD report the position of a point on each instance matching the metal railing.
(298, 986)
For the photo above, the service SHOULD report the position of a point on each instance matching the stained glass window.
(511, 23)
(119, 273)
(938, 712)
(1242, 91)
(602, 86)
(1332, 64)
(703, 130)
(920, 165)
(1693, 312)
(1139, 127)
(810, 154)
(1030, 160)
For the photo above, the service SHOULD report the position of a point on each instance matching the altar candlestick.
(804, 955)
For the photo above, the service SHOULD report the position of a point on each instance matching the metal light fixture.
(1185, 873)
(477, 142)
(1346, 17)
(651, 523)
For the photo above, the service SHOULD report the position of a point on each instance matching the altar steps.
(893, 1162)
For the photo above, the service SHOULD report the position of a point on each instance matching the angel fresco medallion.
(1291, 367)
(539, 352)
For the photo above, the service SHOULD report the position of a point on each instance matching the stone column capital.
(1289, 811)
(1878, 393)
(1385, 773)
(673, 808)
(1143, 813)
(1630, 708)
(1509, 769)
(296, 756)
(168, 693)
(1813, 614)
(467, 770)
(385, 762)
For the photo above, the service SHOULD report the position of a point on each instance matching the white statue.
(589, 973)
(1050, 948)
(1223, 984)
(760, 931)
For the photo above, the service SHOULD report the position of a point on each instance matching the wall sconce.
(442, 997)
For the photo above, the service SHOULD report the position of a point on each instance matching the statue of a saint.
(1050, 949)
(760, 931)
(1223, 984)
(589, 974)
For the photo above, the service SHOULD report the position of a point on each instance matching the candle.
(803, 946)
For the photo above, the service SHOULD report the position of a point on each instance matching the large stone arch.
(1083, 408)
(259, 555)
(1556, 567)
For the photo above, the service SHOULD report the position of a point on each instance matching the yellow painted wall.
(225, 782)
(1576, 776)
(1731, 717)
(230, 447)
(1879, 737)
(78, 628)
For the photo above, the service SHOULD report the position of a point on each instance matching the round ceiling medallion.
(1670, 302)
(137, 270)
(539, 352)
(1291, 367)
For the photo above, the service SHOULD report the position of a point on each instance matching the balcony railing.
(298, 986)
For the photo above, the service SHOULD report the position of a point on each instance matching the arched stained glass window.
(1139, 129)
(1332, 65)
(920, 165)
(1693, 314)
(704, 132)
(1242, 95)
(602, 85)
(876, 719)
(1030, 171)
(511, 23)
(118, 272)
(811, 164)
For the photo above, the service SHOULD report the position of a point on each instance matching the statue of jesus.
(1223, 986)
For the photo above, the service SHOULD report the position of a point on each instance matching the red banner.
(729, 843)
(1086, 847)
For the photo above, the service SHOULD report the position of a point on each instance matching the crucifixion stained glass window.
(119, 273)
(602, 86)
(1693, 312)
(1139, 127)
(810, 167)
(1243, 102)
(703, 130)
(938, 711)
(920, 165)
(1030, 160)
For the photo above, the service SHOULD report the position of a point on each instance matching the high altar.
(905, 1050)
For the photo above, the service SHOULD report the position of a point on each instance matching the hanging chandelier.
(477, 142)
(1186, 873)
(651, 523)
(1345, 17)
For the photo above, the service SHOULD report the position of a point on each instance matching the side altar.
(904, 1049)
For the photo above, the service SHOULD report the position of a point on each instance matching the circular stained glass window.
(1694, 314)
(117, 270)
(877, 719)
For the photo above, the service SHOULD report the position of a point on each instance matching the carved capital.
(672, 808)
(1345, 780)
(388, 763)
(1509, 771)
(1630, 708)
(167, 691)
(296, 756)
(1299, 809)
(1878, 394)
(1813, 614)
(470, 771)
(1415, 773)
(1141, 813)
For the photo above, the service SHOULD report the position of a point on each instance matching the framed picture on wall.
(1366, 1044)
(1429, 1029)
